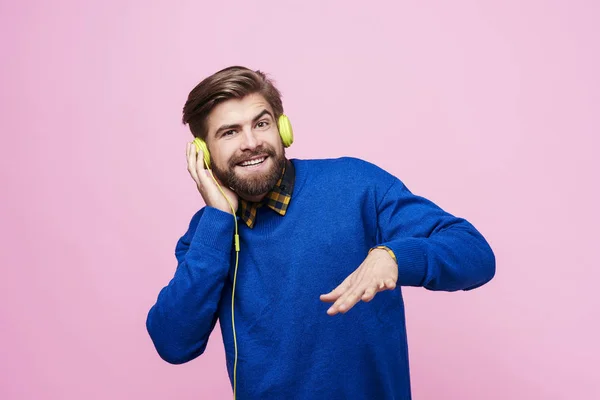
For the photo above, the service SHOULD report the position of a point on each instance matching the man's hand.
(378, 272)
(206, 186)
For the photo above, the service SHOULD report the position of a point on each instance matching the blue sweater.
(289, 348)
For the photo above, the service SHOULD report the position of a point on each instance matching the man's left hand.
(377, 272)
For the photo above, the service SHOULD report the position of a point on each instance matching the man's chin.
(255, 182)
(254, 186)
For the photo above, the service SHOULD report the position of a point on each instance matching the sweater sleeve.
(185, 313)
(433, 249)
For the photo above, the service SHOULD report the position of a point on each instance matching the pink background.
(491, 110)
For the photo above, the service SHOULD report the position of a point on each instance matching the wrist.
(386, 250)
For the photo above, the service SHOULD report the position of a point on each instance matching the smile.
(253, 162)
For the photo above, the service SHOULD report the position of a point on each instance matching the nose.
(249, 141)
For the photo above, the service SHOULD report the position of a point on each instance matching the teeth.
(252, 162)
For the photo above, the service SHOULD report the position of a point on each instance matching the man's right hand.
(206, 185)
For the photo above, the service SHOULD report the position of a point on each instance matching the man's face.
(245, 148)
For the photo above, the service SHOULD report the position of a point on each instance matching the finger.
(390, 284)
(200, 173)
(334, 294)
(200, 158)
(349, 298)
(364, 292)
(188, 149)
(352, 280)
(351, 290)
(204, 175)
(369, 294)
(191, 160)
(199, 164)
(338, 291)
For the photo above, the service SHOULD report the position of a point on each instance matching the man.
(324, 248)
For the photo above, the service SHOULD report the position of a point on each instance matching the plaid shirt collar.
(277, 199)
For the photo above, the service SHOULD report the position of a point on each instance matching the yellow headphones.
(287, 137)
(285, 131)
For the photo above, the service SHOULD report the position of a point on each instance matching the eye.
(262, 124)
(228, 133)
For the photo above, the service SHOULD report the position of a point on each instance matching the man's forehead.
(239, 110)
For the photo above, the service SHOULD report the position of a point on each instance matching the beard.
(255, 185)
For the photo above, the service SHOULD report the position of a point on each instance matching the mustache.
(246, 155)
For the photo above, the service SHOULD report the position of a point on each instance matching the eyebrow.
(238, 126)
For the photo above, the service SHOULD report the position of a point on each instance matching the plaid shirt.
(277, 199)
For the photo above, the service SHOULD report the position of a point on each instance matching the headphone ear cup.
(285, 130)
(201, 147)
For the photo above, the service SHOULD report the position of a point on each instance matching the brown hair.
(230, 83)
